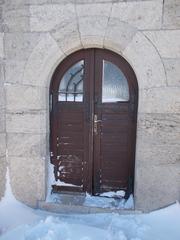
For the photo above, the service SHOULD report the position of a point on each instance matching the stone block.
(167, 42)
(92, 26)
(3, 167)
(172, 67)
(21, 98)
(27, 122)
(1, 45)
(146, 62)
(26, 144)
(159, 100)
(94, 1)
(171, 18)
(97, 9)
(46, 17)
(67, 36)
(2, 144)
(14, 3)
(140, 14)
(63, 208)
(157, 186)
(2, 98)
(15, 71)
(62, 1)
(92, 41)
(2, 120)
(38, 2)
(42, 62)
(27, 179)
(1, 75)
(118, 34)
(158, 139)
(19, 46)
(16, 19)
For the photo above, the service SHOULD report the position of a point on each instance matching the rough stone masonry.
(35, 35)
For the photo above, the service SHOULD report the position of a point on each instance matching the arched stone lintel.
(118, 36)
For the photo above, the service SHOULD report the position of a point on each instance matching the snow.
(93, 201)
(18, 221)
(52, 181)
(159, 225)
(109, 202)
(12, 212)
(61, 183)
(118, 194)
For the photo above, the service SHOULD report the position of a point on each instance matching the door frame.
(62, 68)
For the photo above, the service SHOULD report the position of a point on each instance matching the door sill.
(82, 204)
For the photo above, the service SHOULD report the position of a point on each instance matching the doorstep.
(74, 204)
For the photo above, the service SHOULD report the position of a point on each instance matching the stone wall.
(38, 34)
(2, 110)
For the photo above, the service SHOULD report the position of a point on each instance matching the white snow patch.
(129, 203)
(12, 212)
(61, 183)
(113, 203)
(51, 181)
(118, 194)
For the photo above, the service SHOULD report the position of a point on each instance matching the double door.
(93, 115)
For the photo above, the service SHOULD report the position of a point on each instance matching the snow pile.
(159, 225)
(12, 212)
(50, 228)
(118, 194)
(109, 202)
(126, 228)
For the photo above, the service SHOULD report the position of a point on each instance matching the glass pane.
(71, 85)
(114, 86)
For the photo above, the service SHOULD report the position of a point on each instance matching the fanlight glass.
(71, 85)
(114, 86)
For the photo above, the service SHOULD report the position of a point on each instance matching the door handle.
(96, 121)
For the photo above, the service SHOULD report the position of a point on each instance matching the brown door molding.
(92, 143)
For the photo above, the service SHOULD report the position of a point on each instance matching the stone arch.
(112, 34)
(117, 36)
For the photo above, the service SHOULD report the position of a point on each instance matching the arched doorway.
(93, 115)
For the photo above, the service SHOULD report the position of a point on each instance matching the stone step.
(77, 207)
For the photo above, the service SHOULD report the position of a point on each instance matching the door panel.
(69, 125)
(114, 144)
(93, 122)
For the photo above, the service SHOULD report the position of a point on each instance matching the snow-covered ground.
(28, 224)
(20, 222)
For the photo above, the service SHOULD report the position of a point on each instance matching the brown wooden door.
(93, 123)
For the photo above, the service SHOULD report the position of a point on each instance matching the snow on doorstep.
(106, 200)
(92, 201)
(118, 194)
(113, 203)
